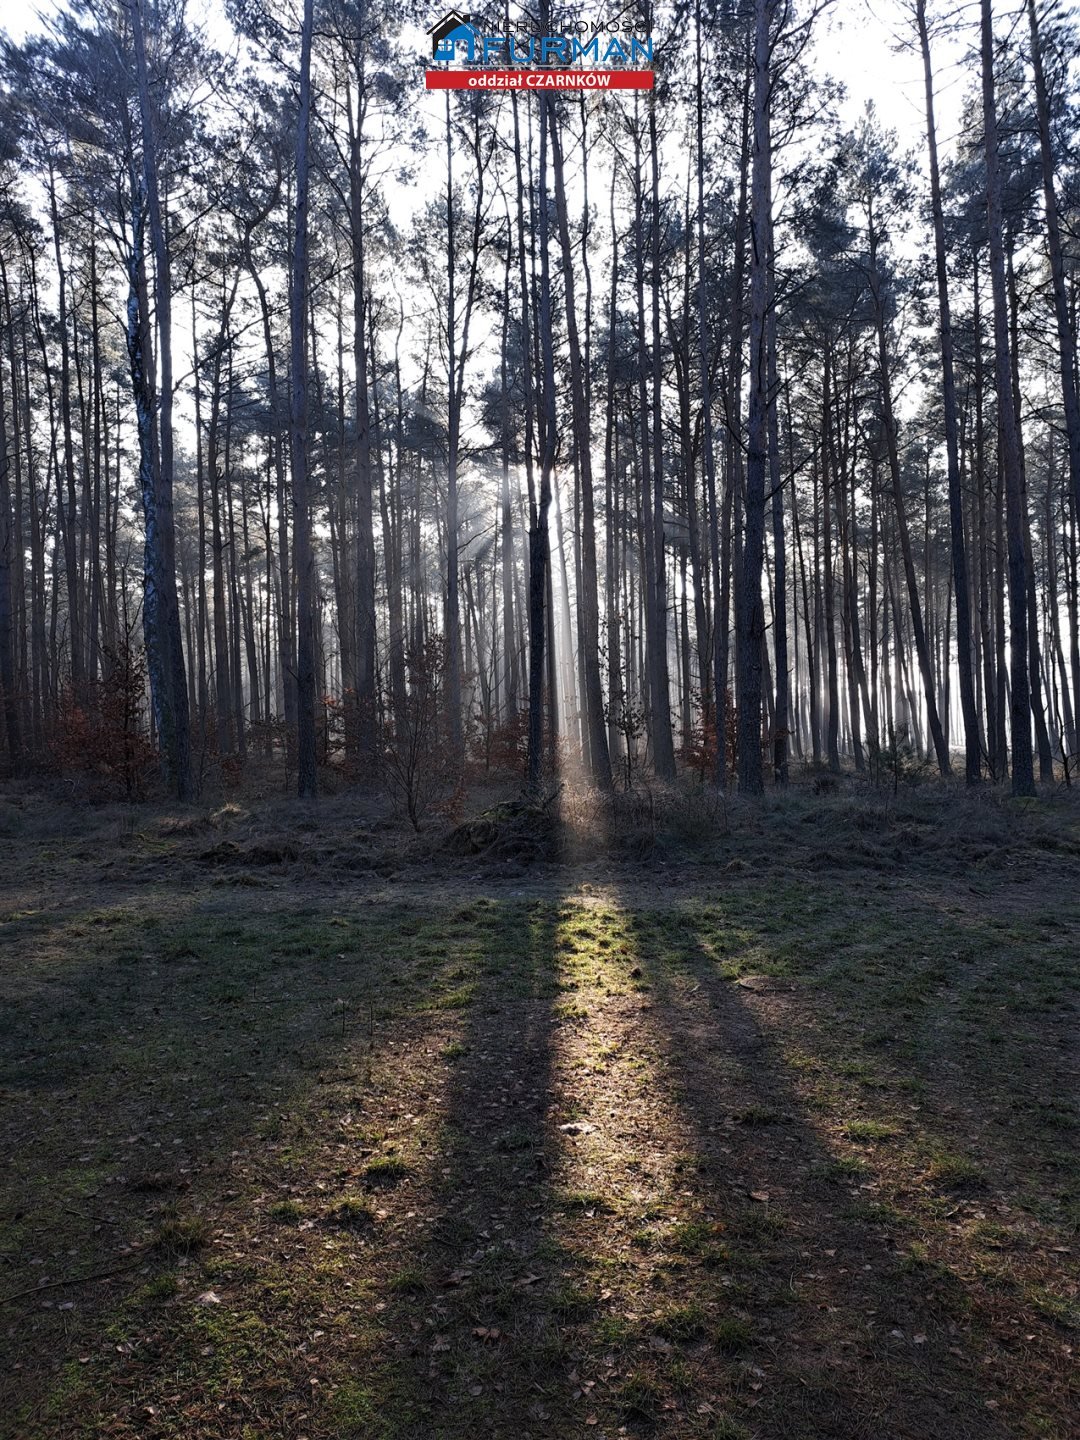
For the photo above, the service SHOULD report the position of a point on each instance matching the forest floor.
(760, 1123)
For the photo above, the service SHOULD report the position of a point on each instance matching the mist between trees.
(651, 432)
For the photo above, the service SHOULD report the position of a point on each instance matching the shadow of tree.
(472, 1332)
(515, 1167)
(852, 1336)
(204, 1071)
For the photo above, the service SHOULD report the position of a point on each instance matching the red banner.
(539, 79)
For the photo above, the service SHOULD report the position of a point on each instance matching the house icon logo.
(450, 32)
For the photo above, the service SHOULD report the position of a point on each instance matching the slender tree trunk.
(1070, 398)
(749, 607)
(361, 731)
(12, 729)
(593, 728)
(918, 628)
(972, 758)
(539, 564)
(663, 745)
(171, 707)
(303, 554)
(1023, 773)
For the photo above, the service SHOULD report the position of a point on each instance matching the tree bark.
(303, 554)
(1023, 773)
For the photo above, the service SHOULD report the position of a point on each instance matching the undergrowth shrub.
(99, 732)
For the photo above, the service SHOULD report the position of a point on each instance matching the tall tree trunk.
(663, 745)
(593, 727)
(749, 607)
(539, 563)
(12, 728)
(1023, 772)
(360, 730)
(1070, 398)
(918, 629)
(781, 724)
(972, 758)
(171, 705)
(303, 554)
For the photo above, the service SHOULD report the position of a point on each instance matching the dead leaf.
(761, 1195)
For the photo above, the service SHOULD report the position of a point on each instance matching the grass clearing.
(440, 1157)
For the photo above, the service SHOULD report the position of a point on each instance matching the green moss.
(161, 1287)
(732, 1334)
(354, 1411)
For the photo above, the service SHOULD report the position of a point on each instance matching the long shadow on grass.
(165, 1087)
(966, 1009)
(473, 1335)
(809, 1279)
(366, 1109)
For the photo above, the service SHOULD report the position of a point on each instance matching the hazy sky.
(854, 42)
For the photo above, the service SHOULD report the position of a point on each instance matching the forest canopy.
(690, 429)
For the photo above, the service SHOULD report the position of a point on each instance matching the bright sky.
(855, 43)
